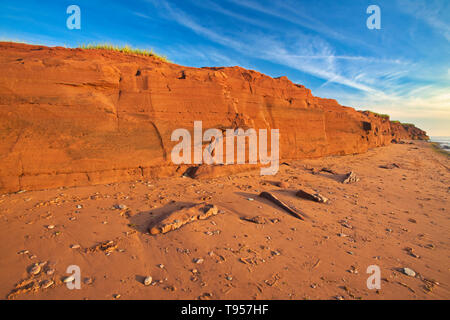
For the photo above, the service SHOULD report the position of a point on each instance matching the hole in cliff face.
(367, 126)
(183, 75)
(138, 73)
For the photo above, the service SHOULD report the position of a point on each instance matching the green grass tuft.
(125, 49)
(385, 116)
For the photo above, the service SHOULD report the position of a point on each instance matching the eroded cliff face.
(73, 117)
(407, 131)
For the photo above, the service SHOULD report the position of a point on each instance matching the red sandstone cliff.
(76, 117)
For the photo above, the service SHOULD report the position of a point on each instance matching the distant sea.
(444, 142)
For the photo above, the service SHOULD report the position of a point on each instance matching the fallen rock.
(46, 284)
(311, 195)
(256, 219)
(69, 279)
(350, 178)
(148, 281)
(183, 216)
(281, 204)
(35, 269)
(409, 272)
(390, 166)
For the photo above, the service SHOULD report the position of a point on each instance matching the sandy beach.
(394, 217)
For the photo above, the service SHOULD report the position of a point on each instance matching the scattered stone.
(390, 166)
(75, 246)
(69, 278)
(50, 272)
(79, 206)
(181, 217)
(310, 194)
(50, 226)
(256, 219)
(350, 178)
(282, 205)
(409, 272)
(108, 247)
(250, 199)
(116, 296)
(205, 296)
(148, 281)
(46, 284)
(198, 260)
(120, 206)
(35, 269)
(345, 224)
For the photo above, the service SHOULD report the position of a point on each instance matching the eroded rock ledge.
(73, 117)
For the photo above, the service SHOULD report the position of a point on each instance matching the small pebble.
(409, 272)
(148, 281)
(49, 272)
(46, 284)
(35, 269)
(69, 279)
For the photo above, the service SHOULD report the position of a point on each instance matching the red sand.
(388, 210)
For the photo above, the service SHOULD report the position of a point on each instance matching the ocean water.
(444, 142)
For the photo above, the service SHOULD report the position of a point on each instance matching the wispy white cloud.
(435, 13)
(402, 88)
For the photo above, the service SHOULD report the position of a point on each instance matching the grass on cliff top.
(403, 123)
(124, 49)
(381, 115)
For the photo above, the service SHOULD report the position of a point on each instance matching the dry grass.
(125, 49)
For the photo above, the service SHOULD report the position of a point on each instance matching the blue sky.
(403, 69)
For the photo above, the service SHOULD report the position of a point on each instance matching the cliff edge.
(72, 117)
